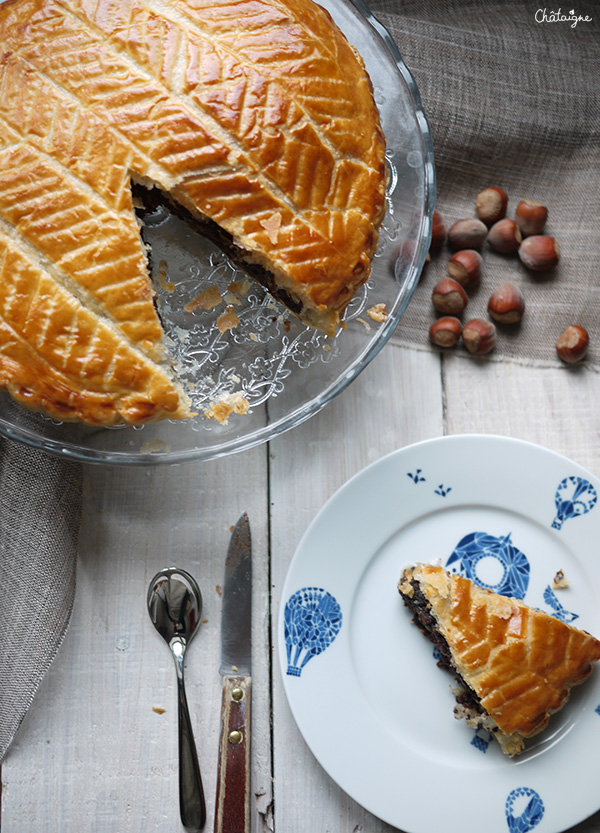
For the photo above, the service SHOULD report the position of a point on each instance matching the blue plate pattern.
(558, 610)
(475, 546)
(558, 499)
(312, 620)
(574, 496)
(530, 817)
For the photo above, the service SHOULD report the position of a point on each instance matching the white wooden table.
(92, 755)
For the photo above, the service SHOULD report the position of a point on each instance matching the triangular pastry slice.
(515, 665)
(257, 117)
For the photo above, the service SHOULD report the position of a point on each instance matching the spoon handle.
(192, 807)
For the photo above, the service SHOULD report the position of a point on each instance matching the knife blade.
(232, 808)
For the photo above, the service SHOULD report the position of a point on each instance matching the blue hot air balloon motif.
(574, 496)
(558, 611)
(531, 815)
(515, 564)
(312, 620)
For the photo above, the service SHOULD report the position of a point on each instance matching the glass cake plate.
(285, 371)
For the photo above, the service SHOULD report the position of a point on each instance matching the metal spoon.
(174, 605)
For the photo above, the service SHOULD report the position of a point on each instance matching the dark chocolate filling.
(423, 618)
(153, 198)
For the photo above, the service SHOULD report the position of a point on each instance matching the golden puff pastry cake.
(255, 117)
(515, 665)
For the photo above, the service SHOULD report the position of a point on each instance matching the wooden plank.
(554, 407)
(396, 401)
(92, 754)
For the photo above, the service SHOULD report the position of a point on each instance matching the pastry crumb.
(162, 277)
(228, 320)
(236, 292)
(272, 225)
(365, 324)
(158, 709)
(208, 299)
(154, 446)
(239, 288)
(229, 403)
(559, 582)
(378, 313)
(232, 299)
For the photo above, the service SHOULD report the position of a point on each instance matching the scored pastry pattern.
(191, 99)
(574, 496)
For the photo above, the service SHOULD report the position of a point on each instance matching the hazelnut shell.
(445, 332)
(490, 204)
(438, 230)
(449, 297)
(467, 234)
(572, 344)
(465, 267)
(507, 304)
(531, 217)
(505, 236)
(539, 252)
(479, 336)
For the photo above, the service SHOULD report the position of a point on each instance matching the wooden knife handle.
(232, 810)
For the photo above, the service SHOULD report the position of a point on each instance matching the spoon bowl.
(175, 605)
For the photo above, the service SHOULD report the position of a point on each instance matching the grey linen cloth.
(40, 510)
(512, 96)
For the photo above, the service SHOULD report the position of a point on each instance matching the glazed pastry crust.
(256, 115)
(521, 662)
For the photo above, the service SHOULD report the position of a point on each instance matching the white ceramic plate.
(361, 679)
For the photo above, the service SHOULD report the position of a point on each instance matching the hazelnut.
(531, 217)
(507, 304)
(505, 236)
(539, 252)
(438, 230)
(467, 234)
(465, 267)
(490, 204)
(479, 336)
(446, 331)
(449, 297)
(572, 345)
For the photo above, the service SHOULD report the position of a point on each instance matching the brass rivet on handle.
(235, 736)
(237, 694)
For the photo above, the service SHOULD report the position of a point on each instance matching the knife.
(232, 809)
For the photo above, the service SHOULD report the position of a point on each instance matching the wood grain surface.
(96, 752)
